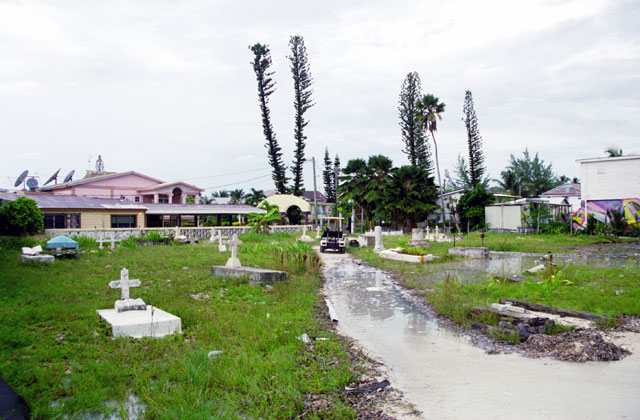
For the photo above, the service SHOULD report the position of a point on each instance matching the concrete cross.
(234, 242)
(437, 231)
(124, 283)
(113, 242)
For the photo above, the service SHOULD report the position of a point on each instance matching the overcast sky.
(166, 88)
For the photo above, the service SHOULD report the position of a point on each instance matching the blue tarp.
(61, 242)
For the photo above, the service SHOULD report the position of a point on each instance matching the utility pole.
(335, 176)
(315, 200)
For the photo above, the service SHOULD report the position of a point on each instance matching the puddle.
(478, 270)
(446, 377)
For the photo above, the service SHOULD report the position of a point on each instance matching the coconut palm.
(613, 152)
(236, 196)
(254, 197)
(428, 112)
(409, 196)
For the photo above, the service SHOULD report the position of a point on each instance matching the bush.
(471, 207)
(21, 217)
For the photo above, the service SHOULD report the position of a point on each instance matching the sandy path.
(446, 377)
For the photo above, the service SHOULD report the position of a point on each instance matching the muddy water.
(447, 377)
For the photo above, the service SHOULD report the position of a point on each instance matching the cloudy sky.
(166, 88)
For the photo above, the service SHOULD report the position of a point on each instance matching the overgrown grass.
(61, 358)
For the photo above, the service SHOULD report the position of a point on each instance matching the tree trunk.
(435, 148)
(552, 310)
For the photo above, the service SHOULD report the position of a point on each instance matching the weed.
(511, 336)
(545, 288)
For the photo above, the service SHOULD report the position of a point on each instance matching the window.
(137, 199)
(74, 220)
(55, 221)
(163, 198)
(123, 221)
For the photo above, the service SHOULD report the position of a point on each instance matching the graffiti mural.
(629, 207)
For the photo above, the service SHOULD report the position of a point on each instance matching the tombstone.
(233, 261)
(101, 239)
(417, 238)
(305, 237)
(221, 247)
(126, 303)
(212, 237)
(378, 246)
(113, 240)
(133, 318)
(318, 232)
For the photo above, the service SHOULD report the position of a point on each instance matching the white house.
(610, 183)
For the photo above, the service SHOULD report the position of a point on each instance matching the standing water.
(446, 377)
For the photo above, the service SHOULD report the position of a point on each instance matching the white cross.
(124, 283)
(234, 242)
(437, 231)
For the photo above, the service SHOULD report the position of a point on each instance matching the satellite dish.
(32, 183)
(54, 176)
(69, 176)
(21, 178)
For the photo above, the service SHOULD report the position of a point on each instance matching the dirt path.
(446, 377)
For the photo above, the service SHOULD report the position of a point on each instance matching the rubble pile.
(575, 346)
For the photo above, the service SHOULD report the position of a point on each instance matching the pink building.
(131, 186)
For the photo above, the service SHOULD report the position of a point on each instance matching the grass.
(62, 359)
(609, 291)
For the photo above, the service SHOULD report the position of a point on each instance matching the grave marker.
(233, 261)
(126, 303)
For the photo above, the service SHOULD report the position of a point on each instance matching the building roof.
(209, 209)
(49, 202)
(308, 195)
(95, 178)
(568, 189)
(608, 159)
(550, 201)
(170, 184)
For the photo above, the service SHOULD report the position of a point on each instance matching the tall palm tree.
(428, 112)
(379, 169)
(613, 152)
(254, 197)
(353, 184)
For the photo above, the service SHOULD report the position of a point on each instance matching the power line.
(229, 174)
(238, 182)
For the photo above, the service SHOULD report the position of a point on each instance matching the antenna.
(21, 178)
(69, 176)
(53, 177)
(32, 183)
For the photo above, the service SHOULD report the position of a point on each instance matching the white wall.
(610, 179)
(503, 217)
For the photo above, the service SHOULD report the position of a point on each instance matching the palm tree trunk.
(435, 148)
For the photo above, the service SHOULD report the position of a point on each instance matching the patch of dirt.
(579, 345)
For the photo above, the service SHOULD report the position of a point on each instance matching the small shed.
(512, 216)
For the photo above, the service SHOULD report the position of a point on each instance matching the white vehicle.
(332, 235)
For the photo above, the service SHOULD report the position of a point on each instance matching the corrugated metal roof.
(202, 209)
(46, 201)
(563, 190)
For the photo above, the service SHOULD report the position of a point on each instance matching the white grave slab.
(152, 322)
(378, 239)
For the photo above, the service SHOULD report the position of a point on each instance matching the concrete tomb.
(417, 238)
(305, 237)
(134, 318)
(377, 233)
(234, 268)
(35, 254)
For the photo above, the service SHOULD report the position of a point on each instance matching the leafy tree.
(461, 180)
(21, 217)
(328, 178)
(471, 206)
(409, 196)
(254, 197)
(509, 182)
(379, 169)
(353, 185)
(613, 152)
(474, 140)
(189, 200)
(302, 87)
(236, 196)
(220, 194)
(530, 176)
(429, 110)
(416, 148)
(261, 64)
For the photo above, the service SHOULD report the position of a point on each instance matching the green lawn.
(62, 359)
(609, 291)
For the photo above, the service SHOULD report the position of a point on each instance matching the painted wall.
(630, 207)
(503, 217)
(99, 219)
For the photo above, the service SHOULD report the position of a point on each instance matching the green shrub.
(21, 217)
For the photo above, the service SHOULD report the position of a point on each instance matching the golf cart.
(332, 235)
